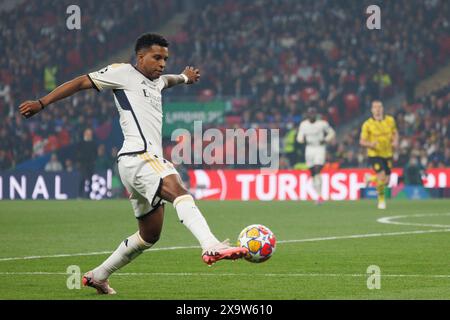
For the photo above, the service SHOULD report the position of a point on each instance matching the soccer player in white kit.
(150, 179)
(316, 133)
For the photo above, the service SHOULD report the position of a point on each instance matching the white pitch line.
(370, 235)
(283, 275)
(355, 236)
(89, 253)
(387, 220)
(57, 256)
(37, 273)
(190, 274)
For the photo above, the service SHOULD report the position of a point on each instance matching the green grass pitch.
(323, 252)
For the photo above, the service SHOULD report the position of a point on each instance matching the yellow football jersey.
(382, 132)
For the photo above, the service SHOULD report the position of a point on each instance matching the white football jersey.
(314, 133)
(139, 102)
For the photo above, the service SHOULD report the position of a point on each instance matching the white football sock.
(128, 249)
(317, 182)
(192, 218)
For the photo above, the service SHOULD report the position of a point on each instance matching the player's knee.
(172, 188)
(176, 192)
(179, 190)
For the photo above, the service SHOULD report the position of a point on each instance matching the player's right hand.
(374, 145)
(30, 108)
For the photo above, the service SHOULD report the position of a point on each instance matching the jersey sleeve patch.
(113, 76)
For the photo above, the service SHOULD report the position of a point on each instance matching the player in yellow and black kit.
(379, 135)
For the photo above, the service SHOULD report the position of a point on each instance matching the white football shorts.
(315, 156)
(142, 176)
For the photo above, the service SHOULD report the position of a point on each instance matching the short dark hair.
(149, 39)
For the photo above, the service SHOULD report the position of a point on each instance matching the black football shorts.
(381, 164)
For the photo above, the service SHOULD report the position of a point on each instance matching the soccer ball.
(259, 241)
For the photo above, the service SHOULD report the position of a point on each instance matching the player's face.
(377, 110)
(312, 115)
(153, 61)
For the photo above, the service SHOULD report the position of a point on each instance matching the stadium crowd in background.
(38, 52)
(279, 55)
(424, 131)
(272, 58)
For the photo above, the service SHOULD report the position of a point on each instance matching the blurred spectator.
(350, 160)
(87, 154)
(5, 93)
(103, 162)
(412, 172)
(410, 72)
(69, 166)
(291, 147)
(5, 163)
(54, 165)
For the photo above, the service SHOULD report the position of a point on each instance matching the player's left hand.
(192, 73)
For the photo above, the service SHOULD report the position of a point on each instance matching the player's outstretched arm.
(30, 108)
(190, 75)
